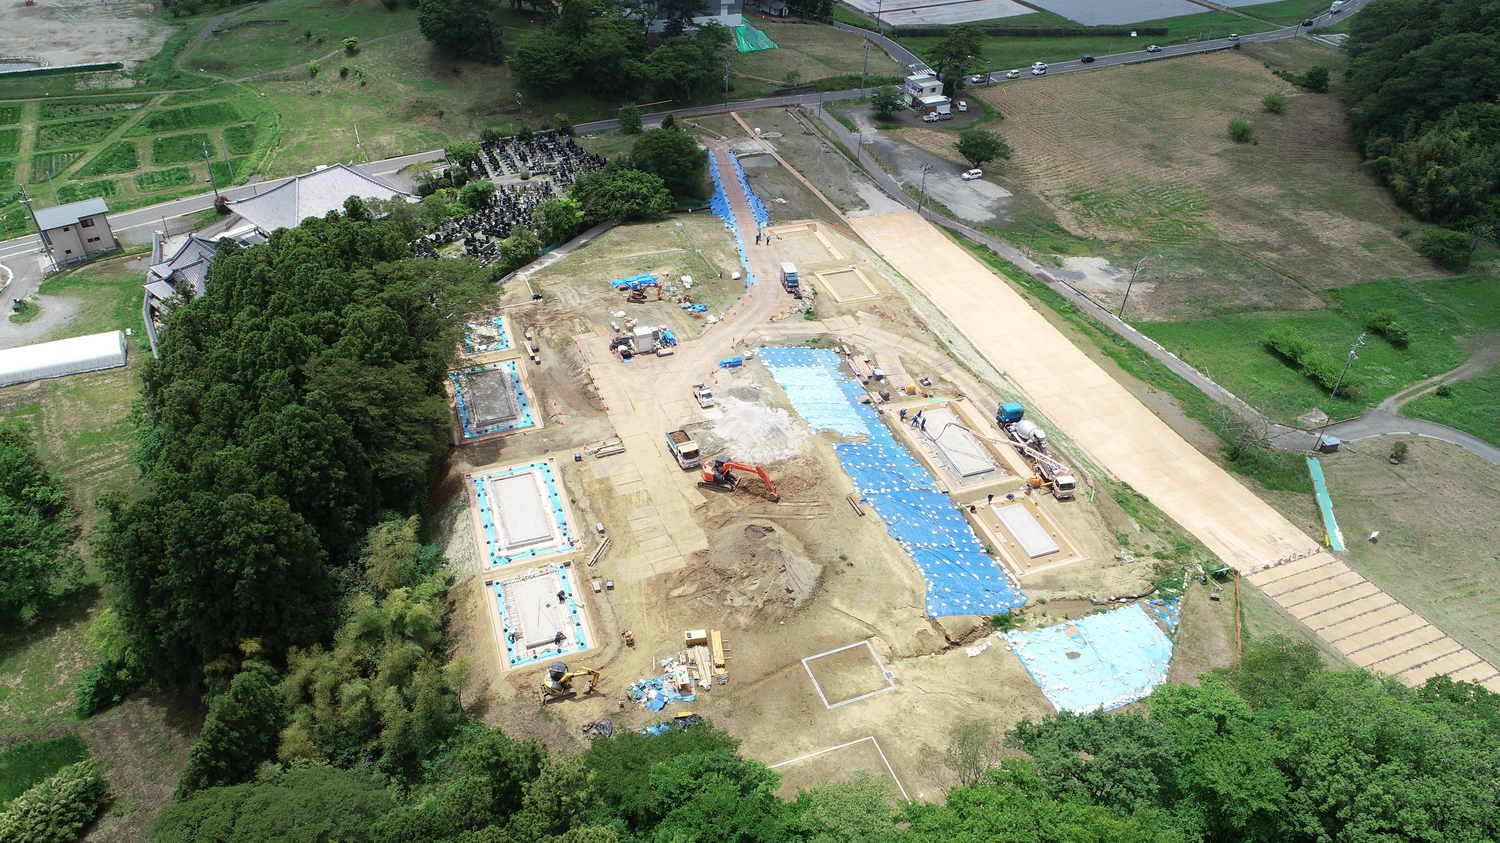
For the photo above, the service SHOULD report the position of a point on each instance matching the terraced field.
(1142, 155)
(76, 140)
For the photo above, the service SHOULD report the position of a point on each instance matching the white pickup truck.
(704, 395)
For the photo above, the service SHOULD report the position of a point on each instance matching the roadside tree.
(980, 146)
(884, 101)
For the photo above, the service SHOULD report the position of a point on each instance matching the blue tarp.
(961, 578)
(642, 692)
(1109, 660)
(719, 202)
(500, 344)
(634, 282)
(463, 411)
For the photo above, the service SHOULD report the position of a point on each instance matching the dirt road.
(1121, 434)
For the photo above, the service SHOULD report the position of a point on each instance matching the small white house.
(920, 86)
(62, 357)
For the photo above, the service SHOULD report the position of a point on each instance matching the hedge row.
(1323, 368)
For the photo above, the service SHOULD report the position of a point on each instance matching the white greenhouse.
(63, 357)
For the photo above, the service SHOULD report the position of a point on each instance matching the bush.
(351, 45)
(1387, 323)
(102, 686)
(630, 119)
(1287, 342)
(1444, 391)
(56, 810)
(489, 135)
(1275, 103)
(1399, 451)
(1447, 249)
(1241, 131)
(35, 532)
(312, 68)
(1316, 79)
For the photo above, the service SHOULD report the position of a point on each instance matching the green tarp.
(751, 39)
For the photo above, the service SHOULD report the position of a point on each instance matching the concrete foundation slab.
(1029, 534)
(958, 446)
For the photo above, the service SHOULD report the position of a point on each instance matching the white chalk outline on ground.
(889, 677)
(870, 738)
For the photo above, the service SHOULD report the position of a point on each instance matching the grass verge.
(28, 764)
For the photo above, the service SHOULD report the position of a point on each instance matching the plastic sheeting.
(516, 652)
(486, 335)
(655, 694)
(470, 431)
(1111, 659)
(749, 39)
(1332, 534)
(961, 578)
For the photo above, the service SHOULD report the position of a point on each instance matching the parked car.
(1153, 49)
(963, 105)
(975, 80)
(972, 175)
(1234, 36)
(1039, 71)
(1087, 59)
(930, 118)
(1012, 74)
(945, 116)
(1307, 22)
(1038, 65)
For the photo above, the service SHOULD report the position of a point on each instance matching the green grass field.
(1473, 406)
(76, 132)
(153, 180)
(1287, 12)
(177, 149)
(77, 192)
(10, 115)
(28, 764)
(204, 116)
(7, 172)
(241, 139)
(118, 157)
(10, 141)
(74, 108)
(254, 49)
(1008, 52)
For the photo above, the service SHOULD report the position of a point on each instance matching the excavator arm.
(720, 473)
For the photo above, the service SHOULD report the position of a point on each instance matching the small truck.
(789, 279)
(704, 395)
(684, 449)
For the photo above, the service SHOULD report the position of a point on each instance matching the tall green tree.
(35, 528)
(674, 156)
(557, 220)
(981, 146)
(239, 734)
(546, 60)
(884, 101)
(620, 193)
(951, 57)
(316, 804)
(461, 27)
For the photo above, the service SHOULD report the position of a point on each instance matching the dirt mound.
(752, 573)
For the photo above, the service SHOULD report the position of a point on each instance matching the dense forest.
(1277, 749)
(1422, 94)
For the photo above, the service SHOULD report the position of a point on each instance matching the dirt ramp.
(753, 572)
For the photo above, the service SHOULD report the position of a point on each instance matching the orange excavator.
(719, 474)
(639, 295)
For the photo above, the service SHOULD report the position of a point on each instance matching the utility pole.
(1130, 284)
(1029, 242)
(46, 243)
(54, 189)
(879, 19)
(865, 70)
(727, 68)
(1185, 339)
(926, 168)
(227, 162)
(359, 148)
(1353, 356)
(211, 172)
(520, 109)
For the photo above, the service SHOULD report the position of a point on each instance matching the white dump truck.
(684, 449)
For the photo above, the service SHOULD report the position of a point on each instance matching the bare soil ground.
(847, 674)
(143, 745)
(82, 32)
(845, 764)
(1140, 158)
(783, 581)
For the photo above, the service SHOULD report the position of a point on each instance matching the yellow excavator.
(559, 682)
